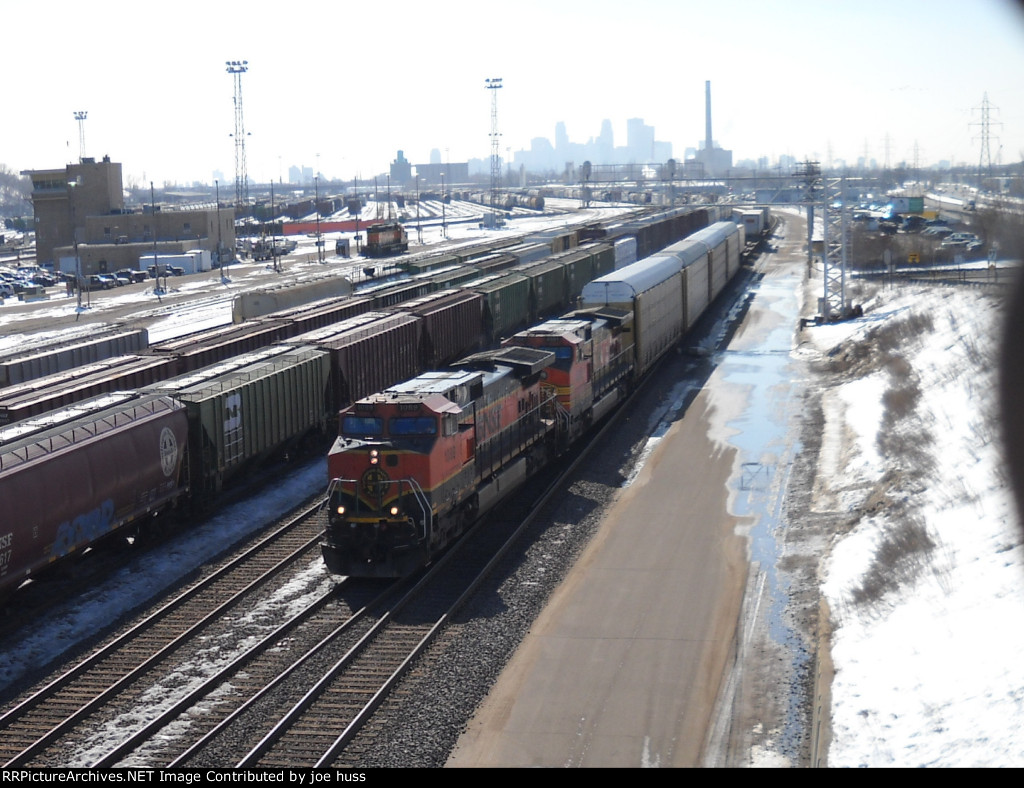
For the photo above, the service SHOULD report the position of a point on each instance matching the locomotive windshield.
(564, 356)
(362, 425)
(413, 425)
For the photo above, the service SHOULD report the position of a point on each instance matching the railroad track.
(320, 702)
(323, 726)
(29, 730)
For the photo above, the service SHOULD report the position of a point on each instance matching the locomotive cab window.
(357, 426)
(413, 425)
(564, 357)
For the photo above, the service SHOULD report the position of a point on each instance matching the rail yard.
(208, 370)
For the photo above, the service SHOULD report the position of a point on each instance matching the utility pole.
(319, 240)
(444, 219)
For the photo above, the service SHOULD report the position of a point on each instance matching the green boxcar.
(547, 289)
(506, 304)
(454, 278)
(255, 411)
(579, 270)
(604, 259)
(433, 263)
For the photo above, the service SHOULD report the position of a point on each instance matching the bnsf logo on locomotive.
(375, 481)
(168, 451)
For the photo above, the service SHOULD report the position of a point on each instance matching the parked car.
(44, 279)
(101, 282)
(6, 289)
(960, 240)
(165, 270)
(937, 229)
(131, 274)
(120, 279)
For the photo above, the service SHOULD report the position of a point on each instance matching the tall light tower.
(237, 68)
(494, 85)
(80, 116)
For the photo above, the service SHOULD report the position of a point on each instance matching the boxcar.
(652, 288)
(506, 304)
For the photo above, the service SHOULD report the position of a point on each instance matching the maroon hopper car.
(65, 486)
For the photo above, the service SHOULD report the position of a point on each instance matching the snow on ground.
(152, 573)
(927, 590)
(80, 618)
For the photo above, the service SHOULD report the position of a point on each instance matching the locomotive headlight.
(341, 510)
(374, 457)
(394, 511)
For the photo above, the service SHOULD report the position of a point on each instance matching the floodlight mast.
(236, 68)
(494, 85)
(80, 116)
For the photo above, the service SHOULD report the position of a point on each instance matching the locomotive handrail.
(414, 487)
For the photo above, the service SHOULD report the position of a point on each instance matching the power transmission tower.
(237, 68)
(985, 161)
(830, 193)
(494, 85)
(836, 241)
(80, 116)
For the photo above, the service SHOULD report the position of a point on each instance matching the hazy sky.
(340, 87)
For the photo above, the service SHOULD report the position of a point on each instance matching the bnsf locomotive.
(415, 464)
(385, 239)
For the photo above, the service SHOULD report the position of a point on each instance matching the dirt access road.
(687, 633)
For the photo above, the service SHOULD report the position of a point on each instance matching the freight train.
(418, 462)
(225, 401)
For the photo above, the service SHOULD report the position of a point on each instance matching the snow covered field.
(927, 591)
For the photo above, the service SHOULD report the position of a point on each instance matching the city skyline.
(796, 78)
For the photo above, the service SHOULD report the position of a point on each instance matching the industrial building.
(82, 225)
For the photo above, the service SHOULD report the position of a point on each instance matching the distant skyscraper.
(435, 156)
(606, 142)
(561, 137)
(401, 169)
(640, 140)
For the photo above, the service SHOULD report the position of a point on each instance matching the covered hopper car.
(234, 397)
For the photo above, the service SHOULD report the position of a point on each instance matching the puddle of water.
(759, 364)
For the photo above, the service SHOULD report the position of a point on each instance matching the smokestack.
(707, 114)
